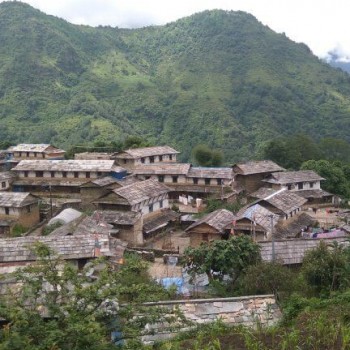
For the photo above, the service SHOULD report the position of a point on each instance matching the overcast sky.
(322, 24)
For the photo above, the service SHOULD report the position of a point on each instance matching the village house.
(148, 197)
(61, 178)
(250, 175)
(18, 208)
(96, 188)
(210, 227)
(34, 151)
(184, 179)
(78, 249)
(284, 203)
(132, 158)
(6, 180)
(306, 183)
(255, 221)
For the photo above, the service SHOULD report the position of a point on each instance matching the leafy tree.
(335, 149)
(204, 156)
(55, 306)
(135, 142)
(222, 257)
(325, 268)
(336, 181)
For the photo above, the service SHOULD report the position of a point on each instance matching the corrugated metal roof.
(141, 191)
(162, 169)
(287, 177)
(16, 199)
(256, 167)
(211, 173)
(68, 165)
(146, 152)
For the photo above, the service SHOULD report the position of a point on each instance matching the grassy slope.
(216, 77)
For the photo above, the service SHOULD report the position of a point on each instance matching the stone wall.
(247, 310)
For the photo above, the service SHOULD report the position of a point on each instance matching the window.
(52, 174)
(20, 154)
(170, 157)
(143, 160)
(151, 159)
(150, 208)
(7, 211)
(175, 179)
(39, 174)
(289, 187)
(43, 155)
(312, 184)
(64, 174)
(207, 181)
(27, 154)
(35, 154)
(76, 174)
(195, 180)
(99, 173)
(29, 209)
(147, 177)
(26, 174)
(205, 237)
(124, 161)
(3, 184)
(160, 158)
(219, 182)
(161, 204)
(300, 186)
(88, 174)
(161, 178)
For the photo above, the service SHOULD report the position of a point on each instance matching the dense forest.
(219, 78)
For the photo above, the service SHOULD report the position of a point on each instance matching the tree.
(336, 181)
(223, 257)
(204, 156)
(55, 306)
(325, 268)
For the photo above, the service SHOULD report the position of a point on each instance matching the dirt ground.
(160, 270)
(327, 219)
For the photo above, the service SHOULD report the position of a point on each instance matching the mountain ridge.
(216, 77)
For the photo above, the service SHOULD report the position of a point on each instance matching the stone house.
(210, 227)
(6, 180)
(61, 178)
(18, 208)
(306, 183)
(147, 197)
(34, 151)
(138, 156)
(284, 203)
(78, 249)
(184, 179)
(250, 175)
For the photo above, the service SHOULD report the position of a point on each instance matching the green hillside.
(217, 77)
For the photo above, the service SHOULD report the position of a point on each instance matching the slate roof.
(68, 165)
(6, 176)
(117, 217)
(285, 201)
(258, 214)
(293, 226)
(34, 147)
(288, 177)
(291, 252)
(262, 192)
(317, 193)
(160, 221)
(162, 169)
(101, 182)
(211, 173)
(141, 191)
(256, 167)
(135, 153)
(16, 199)
(68, 247)
(92, 155)
(218, 219)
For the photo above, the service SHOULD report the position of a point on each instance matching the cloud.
(322, 25)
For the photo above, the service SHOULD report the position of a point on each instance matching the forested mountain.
(217, 77)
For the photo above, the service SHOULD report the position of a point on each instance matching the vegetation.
(217, 77)
(56, 306)
(204, 156)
